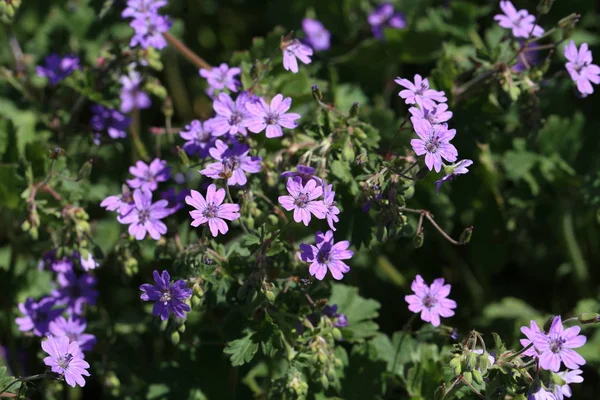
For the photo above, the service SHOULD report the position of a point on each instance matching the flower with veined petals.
(65, 358)
(73, 328)
(434, 143)
(538, 392)
(530, 332)
(147, 176)
(169, 298)
(145, 216)
(231, 116)
(430, 301)
(303, 200)
(212, 210)
(222, 77)
(521, 22)
(580, 67)
(326, 255)
(294, 50)
(272, 116)
(562, 391)
(122, 203)
(557, 346)
(136, 8)
(419, 92)
(75, 291)
(232, 163)
(149, 29)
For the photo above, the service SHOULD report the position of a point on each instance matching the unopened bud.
(86, 170)
(568, 25)
(175, 338)
(465, 236)
(331, 374)
(270, 296)
(181, 328)
(468, 376)
(544, 6)
(168, 107)
(589, 318)
(456, 366)
(337, 334)
(418, 239)
(354, 110)
(557, 379)
(477, 377)
(54, 154)
(196, 300)
(324, 381)
(316, 93)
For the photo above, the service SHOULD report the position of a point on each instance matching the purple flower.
(212, 210)
(65, 358)
(385, 16)
(169, 297)
(340, 320)
(232, 163)
(175, 199)
(303, 172)
(434, 143)
(222, 77)
(557, 345)
(296, 50)
(272, 117)
(581, 69)
(430, 301)
(303, 200)
(231, 117)
(538, 392)
(326, 255)
(75, 291)
(57, 265)
(562, 391)
(74, 330)
(521, 22)
(317, 36)
(145, 216)
(88, 263)
(148, 176)
(110, 121)
(37, 315)
(141, 7)
(56, 68)
(531, 334)
(527, 58)
(132, 97)
(434, 115)
(122, 203)
(452, 171)
(148, 31)
(420, 93)
(332, 210)
(199, 138)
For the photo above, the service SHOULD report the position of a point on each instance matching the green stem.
(518, 353)
(26, 379)
(244, 228)
(405, 332)
(581, 268)
(139, 146)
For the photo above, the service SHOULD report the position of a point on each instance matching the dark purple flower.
(56, 68)
(430, 301)
(452, 171)
(122, 203)
(557, 346)
(50, 261)
(73, 328)
(110, 121)
(75, 291)
(231, 116)
(232, 163)
(527, 58)
(222, 77)
(303, 172)
(212, 210)
(340, 320)
(296, 50)
(169, 298)
(434, 143)
(132, 97)
(521, 22)
(147, 176)
(272, 117)
(145, 217)
(303, 200)
(326, 255)
(175, 199)
(199, 138)
(385, 16)
(66, 359)
(581, 69)
(317, 36)
(37, 315)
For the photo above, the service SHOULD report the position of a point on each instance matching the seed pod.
(477, 377)
(175, 338)
(465, 236)
(337, 334)
(324, 381)
(456, 366)
(354, 110)
(316, 92)
(589, 318)
(418, 239)
(468, 376)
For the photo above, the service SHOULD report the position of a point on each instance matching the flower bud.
(589, 318)
(354, 110)
(26, 225)
(181, 328)
(568, 25)
(544, 6)
(270, 296)
(337, 334)
(324, 381)
(316, 92)
(465, 236)
(322, 357)
(468, 376)
(86, 170)
(418, 239)
(54, 154)
(348, 153)
(456, 366)
(196, 301)
(175, 338)
(477, 377)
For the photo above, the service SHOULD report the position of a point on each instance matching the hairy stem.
(186, 52)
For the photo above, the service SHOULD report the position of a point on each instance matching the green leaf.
(242, 350)
(511, 308)
(10, 188)
(358, 310)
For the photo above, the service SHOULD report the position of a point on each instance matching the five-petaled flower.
(273, 117)
(122, 203)
(231, 116)
(557, 346)
(419, 92)
(295, 49)
(580, 67)
(435, 115)
(434, 143)
(74, 329)
(212, 210)
(232, 163)
(75, 291)
(303, 200)
(384, 16)
(199, 138)
(169, 298)
(430, 301)
(145, 216)
(222, 77)
(530, 332)
(148, 176)
(66, 359)
(521, 22)
(326, 255)
(57, 68)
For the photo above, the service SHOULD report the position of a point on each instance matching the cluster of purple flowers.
(108, 120)
(385, 17)
(147, 23)
(59, 317)
(580, 67)
(57, 68)
(429, 120)
(431, 301)
(551, 350)
(136, 208)
(520, 21)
